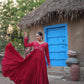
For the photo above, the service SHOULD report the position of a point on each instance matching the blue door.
(57, 39)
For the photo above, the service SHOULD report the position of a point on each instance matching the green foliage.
(11, 14)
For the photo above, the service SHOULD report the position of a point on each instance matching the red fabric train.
(32, 69)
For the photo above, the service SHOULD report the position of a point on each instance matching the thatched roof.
(64, 9)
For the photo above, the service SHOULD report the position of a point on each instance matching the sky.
(6, 0)
(15, 0)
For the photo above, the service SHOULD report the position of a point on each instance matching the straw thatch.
(64, 9)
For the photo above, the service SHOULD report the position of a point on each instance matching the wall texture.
(75, 35)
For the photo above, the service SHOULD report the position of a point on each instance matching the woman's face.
(38, 37)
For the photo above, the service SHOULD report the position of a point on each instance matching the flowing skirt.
(24, 71)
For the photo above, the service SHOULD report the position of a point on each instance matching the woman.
(32, 69)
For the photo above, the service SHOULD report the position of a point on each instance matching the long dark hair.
(41, 34)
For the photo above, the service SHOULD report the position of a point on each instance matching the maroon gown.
(29, 70)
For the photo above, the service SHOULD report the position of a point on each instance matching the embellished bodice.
(39, 48)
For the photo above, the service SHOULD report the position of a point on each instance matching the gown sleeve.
(47, 54)
(27, 44)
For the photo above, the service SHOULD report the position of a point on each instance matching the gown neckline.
(39, 43)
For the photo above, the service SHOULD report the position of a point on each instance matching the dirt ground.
(51, 81)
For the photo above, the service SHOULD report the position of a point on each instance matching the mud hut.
(62, 22)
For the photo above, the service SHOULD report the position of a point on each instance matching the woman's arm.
(27, 44)
(47, 54)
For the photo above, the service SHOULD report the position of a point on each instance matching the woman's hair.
(41, 34)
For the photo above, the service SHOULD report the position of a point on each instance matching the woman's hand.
(25, 34)
(49, 66)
